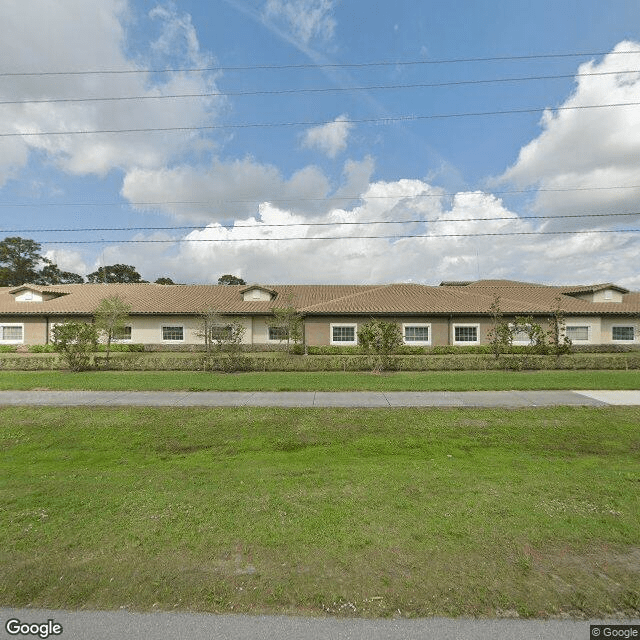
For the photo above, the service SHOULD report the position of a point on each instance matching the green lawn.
(352, 512)
(324, 381)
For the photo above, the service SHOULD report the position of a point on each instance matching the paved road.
(373, 399)
(123, 625)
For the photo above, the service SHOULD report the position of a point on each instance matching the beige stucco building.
(453, 313)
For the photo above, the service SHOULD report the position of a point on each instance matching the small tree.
(287, 325)
(110, 319)
(381, 339)
(558, 330)
(75, 341)
(225, 335)
(500, 334)
(534, 332)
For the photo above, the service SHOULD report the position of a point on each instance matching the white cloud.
(330, 138)
(586, 148)
(44, 36)
(225, 191)
(305, 19)
(461, 241)
(68, 260)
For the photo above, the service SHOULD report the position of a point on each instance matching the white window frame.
(578, 326)
(417, 343)
(462, 325)
(520, 343)
(171, 326)
(624, 326)
(12, 324)
(126, 326)
(283, 329)
(344, 343)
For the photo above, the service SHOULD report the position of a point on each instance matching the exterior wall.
(318, 329)
(604, 295)
(148, 329)
(592, 322)
(34, 329)
(29, 296)
(256, 294)
(606, 333)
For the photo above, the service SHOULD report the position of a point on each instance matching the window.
(344, 334)
(466, 334)
(520, 334)
(416, 333)
(577, 333)
(11, 333)
(173, 333)
(220, 332)
(124, 334)
(278, 333)
(622, 333)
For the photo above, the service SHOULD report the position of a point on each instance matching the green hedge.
(451, 362)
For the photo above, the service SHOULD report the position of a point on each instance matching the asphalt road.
(124, 625)
(373, 399)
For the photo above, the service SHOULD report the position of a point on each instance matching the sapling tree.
(111, 317)
(381, 339)
(287, 324)
(501, 333)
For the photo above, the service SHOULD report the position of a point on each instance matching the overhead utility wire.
(325, 224)
(385, 120)
(260, 92)
(323, 199)
(394, 237)
(327, 65)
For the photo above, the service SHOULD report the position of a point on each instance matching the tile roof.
(474, 298)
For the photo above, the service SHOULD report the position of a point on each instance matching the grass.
(352, 512)
(323, 381)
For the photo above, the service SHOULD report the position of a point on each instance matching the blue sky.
(382, 147)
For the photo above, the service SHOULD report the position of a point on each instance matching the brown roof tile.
(475, 298)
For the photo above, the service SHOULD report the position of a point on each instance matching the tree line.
(22, 262)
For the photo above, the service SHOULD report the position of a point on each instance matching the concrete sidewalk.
(371, 399)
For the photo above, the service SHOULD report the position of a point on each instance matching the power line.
(327, 65)
(384, 120)
(327, 224)
(384, 237)
(323, 199)
(261, 92)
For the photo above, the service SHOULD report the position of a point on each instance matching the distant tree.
(381, 339)
(75, 341)
(229, 279)
(164, 281)
(51, 274)
(115, 273)
(110, 319)
(21, 261)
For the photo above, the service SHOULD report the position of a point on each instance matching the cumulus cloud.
(305, 19)
(233, 189)
(452, 239)
(588, 148)
(330, 138)
(68, 260)
(35, 36)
